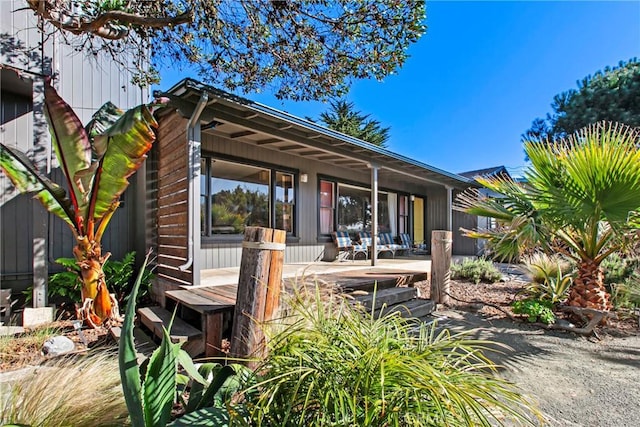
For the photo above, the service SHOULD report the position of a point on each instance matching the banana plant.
(96, 162)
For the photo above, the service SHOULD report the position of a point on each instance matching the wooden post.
(259, 287)
(440, 265)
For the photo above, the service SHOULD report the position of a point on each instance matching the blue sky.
(482, 73)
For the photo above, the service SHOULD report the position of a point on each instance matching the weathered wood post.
(259, 287)
(441, 241)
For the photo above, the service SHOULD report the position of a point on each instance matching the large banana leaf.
(69, 140)
(121, 149)
(26, 179)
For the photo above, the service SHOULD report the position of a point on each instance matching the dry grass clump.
(22, 349)
(80, 391)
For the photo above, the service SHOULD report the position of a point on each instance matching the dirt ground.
(575, 380)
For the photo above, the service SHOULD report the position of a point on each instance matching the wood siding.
(172, 204)
(86, 84)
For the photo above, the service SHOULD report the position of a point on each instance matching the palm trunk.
(97, 305)
(588, 289)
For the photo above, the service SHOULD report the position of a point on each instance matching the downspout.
(191, 222)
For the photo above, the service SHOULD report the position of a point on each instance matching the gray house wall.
(306, 246)
(85, 83)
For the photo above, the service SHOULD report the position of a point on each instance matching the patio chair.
(406, 242)
(387, 240)
(346, 247)
(366, 241)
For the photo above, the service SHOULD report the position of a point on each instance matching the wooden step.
(190, 298)
(414, 308)
(154, 318)
(390, 296)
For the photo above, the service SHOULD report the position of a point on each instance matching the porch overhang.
(250, 122)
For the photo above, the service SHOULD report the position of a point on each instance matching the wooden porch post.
(440, 265)
(374, 214)
(449, 208)
(259, 287)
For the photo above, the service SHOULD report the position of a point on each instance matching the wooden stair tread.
(197, 301)
(390, 296)
(156, 317)
(416, 307)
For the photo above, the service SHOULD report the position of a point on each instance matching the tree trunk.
(588, 289)
(97, 304)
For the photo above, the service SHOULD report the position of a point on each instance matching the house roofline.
(188, 84)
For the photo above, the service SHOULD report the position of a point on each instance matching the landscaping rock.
(58, 345)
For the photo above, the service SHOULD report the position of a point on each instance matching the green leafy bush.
(330, 364)
(118, 275)
(535, 310)
(617, 268)
(477, 270)
(627, 293)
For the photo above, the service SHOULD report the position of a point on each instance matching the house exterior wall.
(172, 202)
(86, 84)
(306, 245)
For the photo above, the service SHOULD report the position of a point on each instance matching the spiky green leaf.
(127, 358)
(159, 387)
(26, 179)
(207, 417)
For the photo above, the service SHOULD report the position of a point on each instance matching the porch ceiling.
(243, 120)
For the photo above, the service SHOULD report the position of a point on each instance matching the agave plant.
(96, 162)
(581, 199)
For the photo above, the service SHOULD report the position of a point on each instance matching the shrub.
(554, 289)
(539, 266)
(330, 364)
(535, 310)
(477, 270)
(118, 275)
(617, 268)
(627, 293)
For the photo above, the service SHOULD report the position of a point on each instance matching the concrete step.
(155, 318)
(388, 297)
(409, 309)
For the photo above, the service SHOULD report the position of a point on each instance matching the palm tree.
(342, 117)
(96, 162)
(581, 198)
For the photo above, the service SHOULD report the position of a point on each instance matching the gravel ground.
(576, 381)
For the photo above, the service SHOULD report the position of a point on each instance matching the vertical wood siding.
(85, 83)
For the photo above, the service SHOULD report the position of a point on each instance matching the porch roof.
(244, 120)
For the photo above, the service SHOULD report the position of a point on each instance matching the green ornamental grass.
(330, 364)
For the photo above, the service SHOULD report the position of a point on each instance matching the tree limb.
(101, 25)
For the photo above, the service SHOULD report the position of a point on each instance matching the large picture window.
(236, 195)
(349, 208)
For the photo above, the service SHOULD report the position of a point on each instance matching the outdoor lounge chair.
(387, 240)
(406, 241)
(346, 247)
(366, 241)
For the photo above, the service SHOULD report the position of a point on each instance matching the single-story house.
(222, 162)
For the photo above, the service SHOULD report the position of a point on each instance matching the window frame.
(206, 235)
(336, 185)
